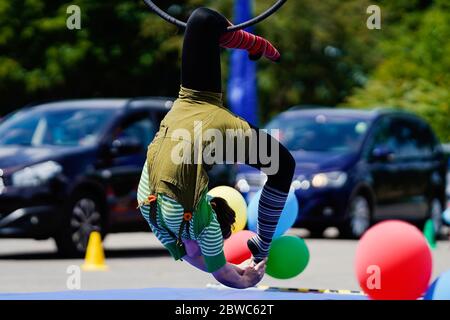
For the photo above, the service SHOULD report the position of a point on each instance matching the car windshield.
(69, 127)
(321, 133)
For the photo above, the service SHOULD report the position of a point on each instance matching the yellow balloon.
(236, 201)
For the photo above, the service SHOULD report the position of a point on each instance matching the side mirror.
(125, 146)
(382, 153)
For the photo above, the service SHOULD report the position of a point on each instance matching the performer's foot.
(255, 45)
(256, 248)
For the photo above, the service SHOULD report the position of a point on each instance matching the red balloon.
(235, 247)
(393, 261)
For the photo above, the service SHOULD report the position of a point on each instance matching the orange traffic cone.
(95, 257)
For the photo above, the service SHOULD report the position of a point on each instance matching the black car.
(70, 167)
(356, 167)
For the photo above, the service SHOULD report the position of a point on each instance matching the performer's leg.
(200, 69)
(268, 155)
(273, 196)
(205, 33)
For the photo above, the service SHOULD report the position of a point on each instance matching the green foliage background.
(414, 72)
(329, 55)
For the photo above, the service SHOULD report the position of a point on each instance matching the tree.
(326, 50)
(414, 73)
(329, 56)
(124, 50)
(121, 50)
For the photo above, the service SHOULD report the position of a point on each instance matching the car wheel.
(82, 217)
(435, 214)
(358, 218)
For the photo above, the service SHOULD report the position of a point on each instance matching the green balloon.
(288, 257)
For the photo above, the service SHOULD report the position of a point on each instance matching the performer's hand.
(240, 269)
(255, 273)
(246, 263)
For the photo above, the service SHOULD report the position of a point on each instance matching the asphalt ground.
(138, 261)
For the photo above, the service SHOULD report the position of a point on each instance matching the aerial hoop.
(240, 26)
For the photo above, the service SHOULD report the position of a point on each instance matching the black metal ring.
(240, 26)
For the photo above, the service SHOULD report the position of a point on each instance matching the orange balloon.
(393, 261)
(235, 247)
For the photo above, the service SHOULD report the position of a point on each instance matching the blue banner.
(242, 85)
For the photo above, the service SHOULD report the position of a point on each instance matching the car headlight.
(334, 179)
(36, 174)
(301, 182)
(2, 184)
(246, 182)
(242, 185)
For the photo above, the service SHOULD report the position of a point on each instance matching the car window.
(406, 138)
(320, 133)
(142, 130)
(20, 133)
(430, 139)
(382, 136)
(62, 127)
(425, 141)
(412, 139)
